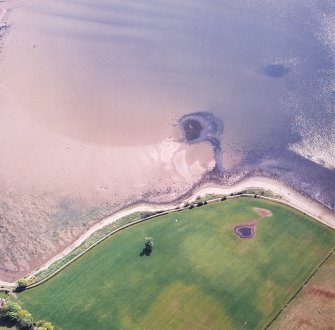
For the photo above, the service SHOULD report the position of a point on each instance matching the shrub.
(10, 316)
(223, 198)
(191, 206)
(21, 318)
(11, 306)
(9, 311)
(149, 243)
(31, 280)
(21, 284)
(25, 319)
(44, 325)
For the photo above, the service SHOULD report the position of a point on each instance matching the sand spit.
(288, 195)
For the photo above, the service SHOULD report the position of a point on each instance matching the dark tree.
(149, 243)
(21, 285)
(148, 246)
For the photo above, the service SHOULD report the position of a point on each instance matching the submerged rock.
(203, 127)
(276, 70)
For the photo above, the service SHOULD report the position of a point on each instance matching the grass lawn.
(3, 295)
(201, 275)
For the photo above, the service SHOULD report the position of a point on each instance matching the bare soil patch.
(264, 213)
(314, 307)
(321, 292)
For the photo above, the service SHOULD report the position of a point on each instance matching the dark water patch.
(307, 177)
(203, 127)
(332, 97)
(4, 27)
(276, 70)
(192, 129)
(246, 231)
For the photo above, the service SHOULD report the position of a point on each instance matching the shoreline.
(289, 197)
(59, 249)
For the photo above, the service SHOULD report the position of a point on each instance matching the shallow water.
(120, 64)
(122, 73)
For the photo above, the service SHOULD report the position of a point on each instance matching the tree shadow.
(7, 324)
(146, 252)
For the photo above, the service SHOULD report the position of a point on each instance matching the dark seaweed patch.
(192, 129)
(276, 70)
(203, 127)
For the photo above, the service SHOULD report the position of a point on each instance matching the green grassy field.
(199, 276)
(3, 295)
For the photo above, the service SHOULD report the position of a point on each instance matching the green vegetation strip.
(85, 246)
(123, 222)
(200, 275)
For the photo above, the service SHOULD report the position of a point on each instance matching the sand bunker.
(264, 213)
(247, 230)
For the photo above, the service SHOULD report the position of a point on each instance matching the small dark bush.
(21, 285)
